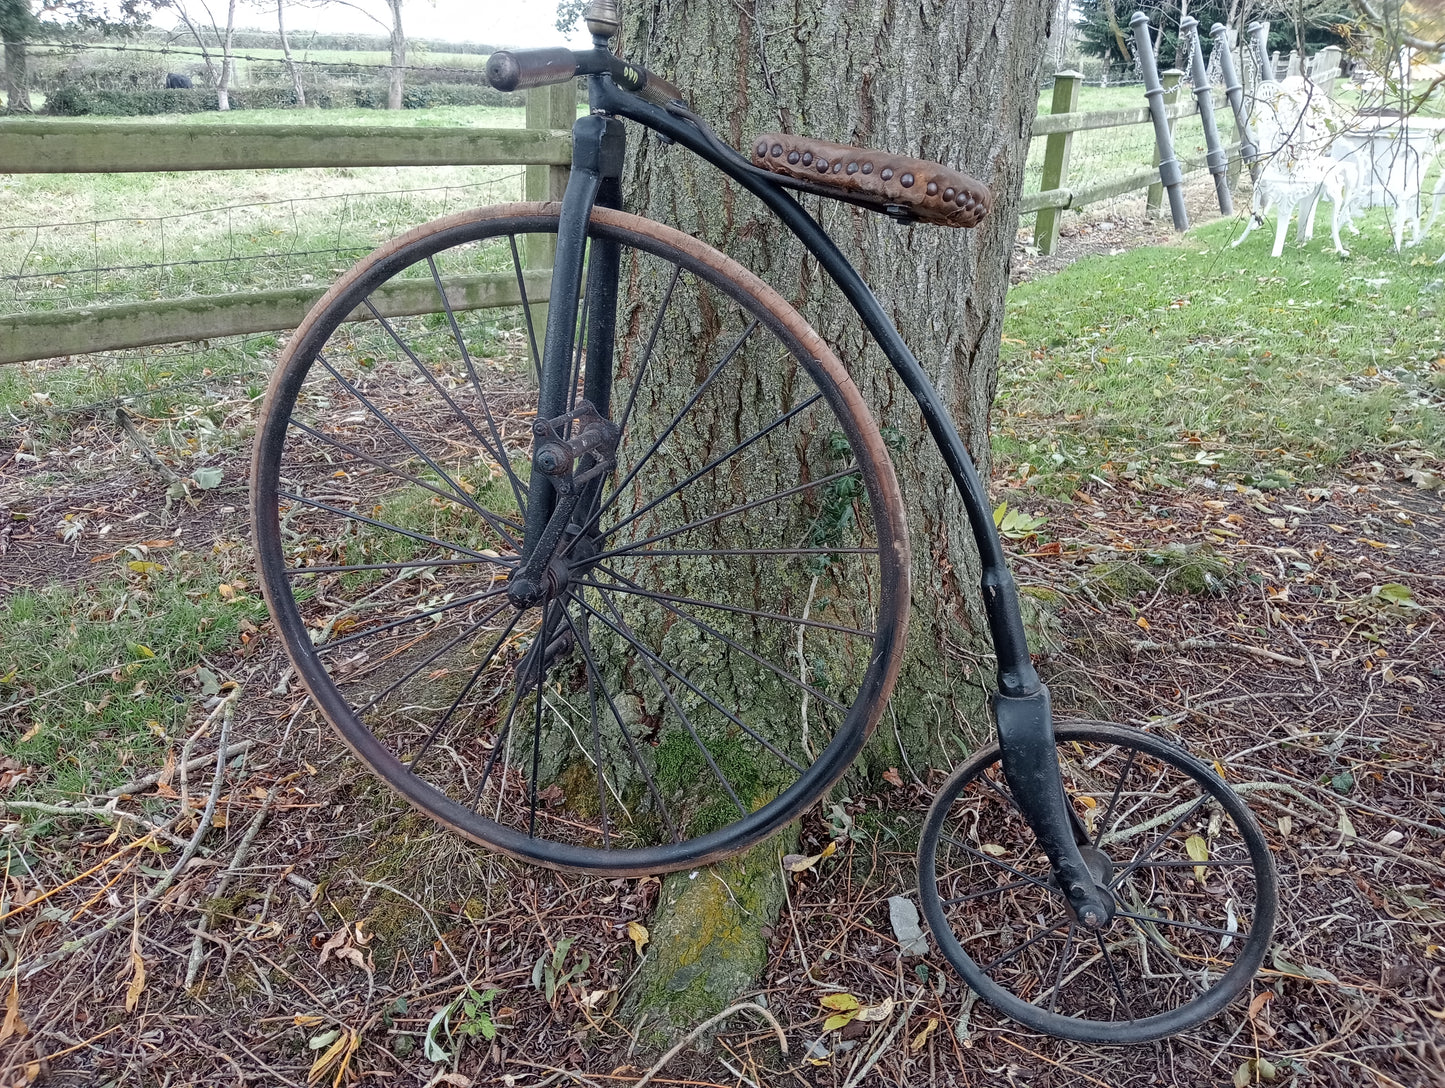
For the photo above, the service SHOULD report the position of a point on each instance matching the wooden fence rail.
(543, 147)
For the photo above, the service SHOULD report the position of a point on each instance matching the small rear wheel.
(1191, 877)
(721, 616)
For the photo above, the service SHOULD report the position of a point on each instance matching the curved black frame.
(618, 89)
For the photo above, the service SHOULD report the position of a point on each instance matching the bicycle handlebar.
(519, 69)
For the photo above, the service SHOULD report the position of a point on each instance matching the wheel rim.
(391, 480)
(1180, 947)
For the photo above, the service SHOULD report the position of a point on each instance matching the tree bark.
(951, 81)
(17, 78)
(397, 76)
(291, 67)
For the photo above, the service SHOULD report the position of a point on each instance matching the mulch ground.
(299, 928)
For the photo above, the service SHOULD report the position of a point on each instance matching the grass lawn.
(1165, 364)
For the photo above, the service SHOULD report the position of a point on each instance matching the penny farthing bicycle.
(643, 613)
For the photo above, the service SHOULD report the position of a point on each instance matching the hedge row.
(71, 101)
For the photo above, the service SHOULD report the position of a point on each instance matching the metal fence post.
(1214, 152)
(553, 107)
(1234, 91)
(1056, 159)
(1170, 176)
(1259, 42)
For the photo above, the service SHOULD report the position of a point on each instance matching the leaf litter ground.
(285, 922)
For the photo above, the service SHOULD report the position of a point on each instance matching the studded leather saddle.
(919, 189)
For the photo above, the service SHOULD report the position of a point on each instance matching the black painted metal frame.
(1021, 706)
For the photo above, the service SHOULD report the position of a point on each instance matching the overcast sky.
(496, 22)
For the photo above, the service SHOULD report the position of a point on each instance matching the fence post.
(1161, 96)
(1056, 159)
(1327, 68)
(1214, 153)
(553, 107)
(1235, 93)
(1259, 41)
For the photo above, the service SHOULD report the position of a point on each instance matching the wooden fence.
(543, 147)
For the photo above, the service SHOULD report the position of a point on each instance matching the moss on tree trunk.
(953, 82)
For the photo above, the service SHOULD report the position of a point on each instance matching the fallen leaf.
(638, 934)
(801, 863)
(13, 1024)
(838, 1020)
(1142, 622)
(875, 1014)
(921, 1039)
(892, 777)
(1198, 850)
(138, 970)
(840, 1002)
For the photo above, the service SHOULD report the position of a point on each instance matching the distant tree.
(569, 13)
(220, 77)
(291, 67)
(1306, 25)
(25, 21)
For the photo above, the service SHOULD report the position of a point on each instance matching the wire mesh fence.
(309, 227)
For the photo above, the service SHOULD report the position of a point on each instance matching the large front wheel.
(721, 613)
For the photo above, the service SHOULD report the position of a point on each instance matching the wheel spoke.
(581, 635)
(499, 451)
(715, 462)
(379, 463)
(1064, 958)
(1114, 978)
(678, 418)
(1052, 928)
(549, 623)
(682, 715)
(628, 553)
(777, 670)
(1105, 822)
(466, 689)
(354, 516)
(526, 308)
(416, 617)
(465, 634)
(761, 614)
(1155, 919)
(461, 494)
(999, 864)
(651, 343)
(417, 565)
(647, 651)
(1144, 855)
(712, 518)
(1011, 886)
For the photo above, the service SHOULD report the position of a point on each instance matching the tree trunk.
(953, 82)
(397, 75)
(17, 78)
(286, 52)
(223, 85)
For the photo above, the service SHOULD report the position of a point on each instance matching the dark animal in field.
(176, 82)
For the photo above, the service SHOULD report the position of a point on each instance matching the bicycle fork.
(574, 442)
